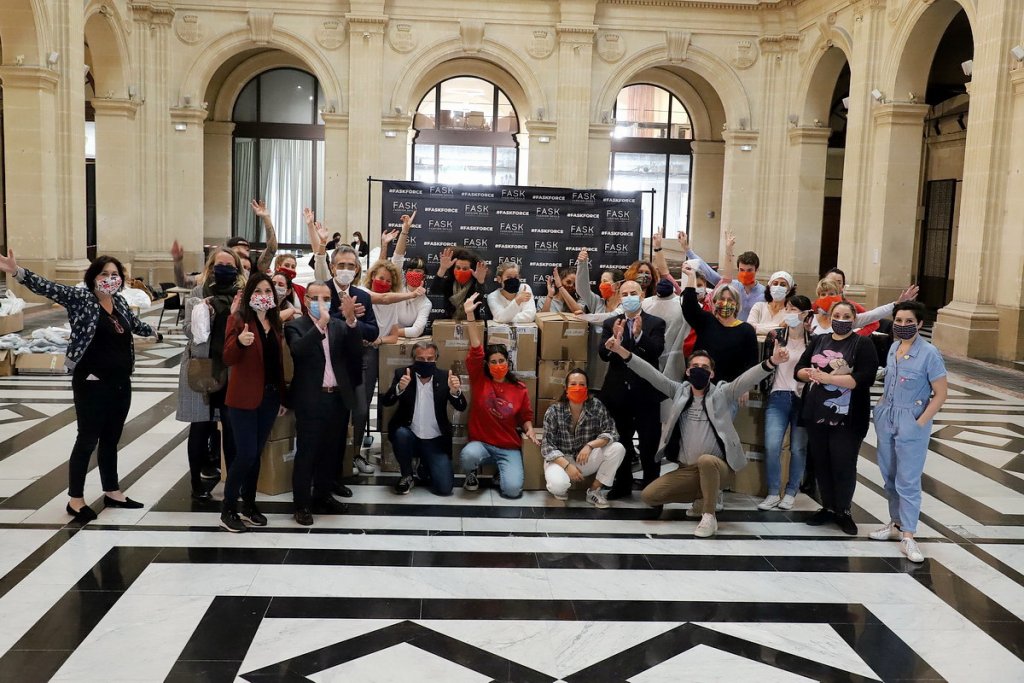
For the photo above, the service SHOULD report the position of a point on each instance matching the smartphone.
(782, 335)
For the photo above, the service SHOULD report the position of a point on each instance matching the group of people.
(672, 361)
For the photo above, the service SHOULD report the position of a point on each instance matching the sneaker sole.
(225, 527)
(249, 522)
(600, 506)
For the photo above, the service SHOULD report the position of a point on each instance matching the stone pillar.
(804, 204)
(599, 156)
(365, 83)
(739, 188)
(394, 163)
(335, 170)
(706, 182)
(541, 165)
(575, 60)
(218, 190)
(117, 213)
(989, 263)
(30, 160)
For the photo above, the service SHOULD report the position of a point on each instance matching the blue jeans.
(250, 428)
(784, 411)
(435, 454)
(902, 450)
(510, 465)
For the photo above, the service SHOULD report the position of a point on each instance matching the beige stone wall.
(756, 78)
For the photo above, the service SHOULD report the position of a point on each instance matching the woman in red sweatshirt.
(499, 412)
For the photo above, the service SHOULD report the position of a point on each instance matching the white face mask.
(793, 320)
(701, 291)
(345, 277)
(778, 292)
(281, 291)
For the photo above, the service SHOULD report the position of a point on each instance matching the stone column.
(599, 156)
(117, 217)
(30, 160)
(541, 164)
(365, 83)
(804, 203)
(986, 293)
(218, 174)
(739, 188)
(335, 170)
(706, 182)
(575, 60)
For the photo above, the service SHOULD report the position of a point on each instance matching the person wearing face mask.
(751, 290)
(327, 356)
(420, 426)
(839, 369)
(643, 273)
(769, 314)
(699, 430)
(513, 301)
(256, 396)
(286, 263)
(731, 342)
(579, 441)
(284, 294)
(359, 244)
(561, 293)
(460, 275)
(632, 401)
(783, 407)
(915, 389)
(101, 358)
(599, 303)
(499, 414)
(866, 322)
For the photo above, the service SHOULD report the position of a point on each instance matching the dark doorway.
(936, 244)
(830, 234)
(90, 209)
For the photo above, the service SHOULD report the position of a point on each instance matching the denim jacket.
(83, 313)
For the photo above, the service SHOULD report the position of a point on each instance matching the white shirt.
(410, 315)
(762, 319)
(505, 311)
(424, 418)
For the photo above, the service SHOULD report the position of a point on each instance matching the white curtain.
(245, 190)
(286, 175)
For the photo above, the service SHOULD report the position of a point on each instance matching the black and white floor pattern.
(477, 588)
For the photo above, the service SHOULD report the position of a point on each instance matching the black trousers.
(318, 430)
(644, 420)
(101, 407)
(834, 452)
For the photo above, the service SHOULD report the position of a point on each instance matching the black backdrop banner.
(538, 228)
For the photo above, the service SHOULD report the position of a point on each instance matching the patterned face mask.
(109, 285)
(261, 302)
(725, 309)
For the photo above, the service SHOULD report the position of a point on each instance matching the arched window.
(651, 149)
(465, 132)
(278, 153)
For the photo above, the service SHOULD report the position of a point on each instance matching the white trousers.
(602, 461)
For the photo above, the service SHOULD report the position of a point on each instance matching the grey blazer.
(720, 400)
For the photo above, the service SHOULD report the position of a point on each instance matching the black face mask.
(699, 377)
(424, 368)
(842, 327)
(225, 275)
(512, 285)
(664, 288)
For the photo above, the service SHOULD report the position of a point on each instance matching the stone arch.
(493, 62)
(685, 92)
(819, 82)
(22, 24)
(916, 39)
(202, 70)
(109, 49)
(724, 84)
(240, 76)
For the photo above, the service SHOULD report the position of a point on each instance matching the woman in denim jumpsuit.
(915, 389)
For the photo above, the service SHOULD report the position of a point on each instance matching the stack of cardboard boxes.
(391, 358)
(563, 347)
(277, 462)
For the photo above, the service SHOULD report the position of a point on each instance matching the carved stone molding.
(188, 28)
(541, 43)
(261, 26)
(472, 33)
(611, 47)
(745, 54)
(678, 43)
(402, 37)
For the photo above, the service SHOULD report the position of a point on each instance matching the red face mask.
(380, 286)
(746, 278)
(463, 276)
(414, 279)
(499, 371)
(290, 272)
(825, 303)
(607, 290)
(576, 393)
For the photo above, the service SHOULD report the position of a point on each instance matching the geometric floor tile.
(711, 665)
(394, 664)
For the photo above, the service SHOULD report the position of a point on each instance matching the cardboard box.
(542, 406)
(9, 324)
(284, 427)
(6, 362)
(751, 480)
(551, 376)
(40, 364)
(452, 344)
(393, 356)
(521, 342)
(533, 465)
(277, 462)
(563, 336)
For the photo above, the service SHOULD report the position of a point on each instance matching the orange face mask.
(499, 371)
(463, 276)
(746, 278)
(607, 290)
(576, 393)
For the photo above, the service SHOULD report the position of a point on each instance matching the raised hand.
(780, 355)
(259, 207)
(245, 337)
(551, 286)
(908, 294)
(556, 278)
(470, 305)
(8, 264)
(404, 380)
(348, 307)
(637, 326)
(360, 309)
(419, 291)
(730, 241)
(481, 271)
(523, 296)
(454, 383)
(447, 259)
(582, 256)
(656, 239)
(308, 216)
(689, 274)
(407, 220)
(321, 233)
(618, 327)
(236, 303)
(177, 253)
(325, 316)
(684, 241)
(388, 237)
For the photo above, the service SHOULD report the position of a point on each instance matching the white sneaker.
(787, 502)
(908, 547)
(707, 527)
(360, 464)
(596, 497)
(889, 532)
(564, 496)
(769, 503)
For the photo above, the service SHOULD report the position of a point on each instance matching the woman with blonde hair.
(512, 301)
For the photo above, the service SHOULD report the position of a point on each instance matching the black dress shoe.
(201, 496)
(84, 514)
(126, 503)
(304, 517)
(822, 516)
(330, 506)
(845, 522)
(342, 490)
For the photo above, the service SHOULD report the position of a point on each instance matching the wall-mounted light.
(540, 113)
(187, 99)
(968, 67)
(877, 95)
(1018, 52)
(180, 126)
(544, 138)
(818, 123)
(398, 110)
(794, 119)
(390, 134)
(711, 214)
(846, 103)
(366, 35)
(743, 124)
(746, 148)
(53, 58)
(132, 92)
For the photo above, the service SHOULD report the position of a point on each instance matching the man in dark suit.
(324, 395)
(633, 403)
(420, 425)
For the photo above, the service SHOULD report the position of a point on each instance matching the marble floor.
(478, 588)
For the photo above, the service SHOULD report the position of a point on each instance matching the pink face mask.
(109, 285)
(261, 302)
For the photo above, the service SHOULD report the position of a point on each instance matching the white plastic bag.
(11, 305)
(136, 297)
(200, 323)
